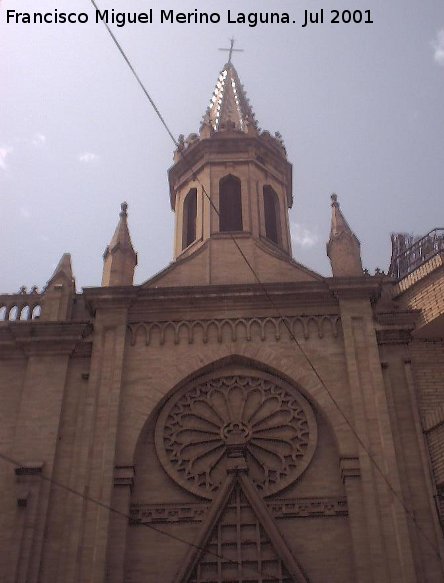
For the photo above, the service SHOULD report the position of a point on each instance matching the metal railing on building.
(410, 252)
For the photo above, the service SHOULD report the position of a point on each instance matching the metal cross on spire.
(232, 50)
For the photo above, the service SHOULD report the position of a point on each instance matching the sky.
(360, 108)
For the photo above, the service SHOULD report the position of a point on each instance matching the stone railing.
(21, 306)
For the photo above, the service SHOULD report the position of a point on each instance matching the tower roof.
(229, 106)
(120, 259)
(339, 223)
(63, 270)
(121, 238)
(343, 247)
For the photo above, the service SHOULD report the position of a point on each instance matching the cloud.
(87, 157)
(303, 236)
(4, 153)
(438, 47)
(38, 140)
(25, 212)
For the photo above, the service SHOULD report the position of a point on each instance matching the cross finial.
(232, 50)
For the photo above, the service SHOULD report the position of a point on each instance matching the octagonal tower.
(231, 179)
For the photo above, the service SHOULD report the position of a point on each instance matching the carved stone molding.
(325, 507)
(124, 476)
(27, 476)
(261, 417)
(327, 325)
(49, 338)
(167, 513)
(309, 507)
(394, 336)
(349, 467)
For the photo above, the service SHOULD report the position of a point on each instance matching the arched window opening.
(189, 218)
(25, 314)
(230, 204)
(3, 313)
(272, 215)
(36, 311)
(14, 313)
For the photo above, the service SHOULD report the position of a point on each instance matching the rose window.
(261, 418)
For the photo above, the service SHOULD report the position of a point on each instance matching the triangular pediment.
(239, 541)
(203, 266)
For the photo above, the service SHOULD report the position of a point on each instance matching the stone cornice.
(288, 297)
(8, 349)
(399, 318)
(109, 298)
(237, 300)
(45, 338)
(355, 287)
(395, 327)
(307, 288)
(394, 336)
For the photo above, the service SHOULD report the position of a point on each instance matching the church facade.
(237, 417)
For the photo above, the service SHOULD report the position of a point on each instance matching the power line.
(407, 510)
(122, 52)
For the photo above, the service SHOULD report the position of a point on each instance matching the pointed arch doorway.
(239, 541)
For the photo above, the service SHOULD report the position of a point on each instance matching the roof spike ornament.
(63, 270)
(229, 108)
(343, 247)
(59, 292)
(120, 259)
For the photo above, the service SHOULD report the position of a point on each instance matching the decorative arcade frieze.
(326, 325)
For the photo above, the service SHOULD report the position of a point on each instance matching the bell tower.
(231, 179)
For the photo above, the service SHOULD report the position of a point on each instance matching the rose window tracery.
(266, 419)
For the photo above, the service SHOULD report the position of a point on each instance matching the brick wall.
(426, 295)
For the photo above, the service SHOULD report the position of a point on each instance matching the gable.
(218, 261)
(240, 541)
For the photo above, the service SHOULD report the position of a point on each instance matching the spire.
(120, 259)
(59, 292)
(62, 271)
(343, 247)
(121, 237)
(229, 107)
(338, 222)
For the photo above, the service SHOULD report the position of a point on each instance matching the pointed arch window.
(230, 204)
(272, 215)
(189, 218)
